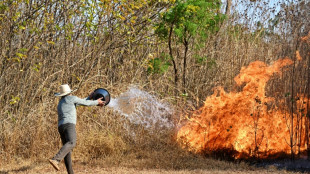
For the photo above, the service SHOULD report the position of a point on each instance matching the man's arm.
(84, 102)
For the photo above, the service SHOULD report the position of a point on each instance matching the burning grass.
(240, 124)
(231, 123)
(107, 140)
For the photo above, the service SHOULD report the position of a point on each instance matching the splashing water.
(142, 108)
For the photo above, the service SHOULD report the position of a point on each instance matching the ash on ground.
(298, 165)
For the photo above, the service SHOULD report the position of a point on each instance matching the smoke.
(142, 108)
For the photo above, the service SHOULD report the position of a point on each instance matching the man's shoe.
(54, 163)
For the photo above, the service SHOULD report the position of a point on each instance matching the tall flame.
(241, 121)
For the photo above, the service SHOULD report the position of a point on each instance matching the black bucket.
(100, 92)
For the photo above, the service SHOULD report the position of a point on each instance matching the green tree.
(188, 22)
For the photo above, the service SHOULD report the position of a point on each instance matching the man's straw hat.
(64, 90)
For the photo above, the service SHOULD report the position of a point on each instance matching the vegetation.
(190, 21)
(151, 44)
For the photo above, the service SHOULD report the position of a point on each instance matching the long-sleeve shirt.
(67, 108)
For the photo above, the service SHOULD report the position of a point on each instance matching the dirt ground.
(29, 167)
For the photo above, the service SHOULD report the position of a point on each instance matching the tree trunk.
(308, 110)
(292, 114)
(173, 61)
(184, 64)
(228, 7)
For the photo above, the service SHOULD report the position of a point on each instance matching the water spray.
(139, 107)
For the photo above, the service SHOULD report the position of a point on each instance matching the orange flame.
(299, 58)
(241, 121)
(306, 38)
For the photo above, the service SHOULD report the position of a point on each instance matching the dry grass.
(194, 165)
(28, 118)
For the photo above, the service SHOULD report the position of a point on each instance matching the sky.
(253, 11)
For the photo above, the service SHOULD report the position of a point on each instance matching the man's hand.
(100, 102)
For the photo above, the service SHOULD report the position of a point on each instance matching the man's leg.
(68, 163)
(68, 137)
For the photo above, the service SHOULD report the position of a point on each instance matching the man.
(66, 124)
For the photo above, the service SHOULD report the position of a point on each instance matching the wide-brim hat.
(64, 90)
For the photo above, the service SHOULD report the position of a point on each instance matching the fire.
(242, 122)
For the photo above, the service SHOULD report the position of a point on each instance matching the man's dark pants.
(68, 137)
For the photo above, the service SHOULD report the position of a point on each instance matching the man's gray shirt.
(67, 108)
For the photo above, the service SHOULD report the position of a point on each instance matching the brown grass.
(80, 168)
(28, 116)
